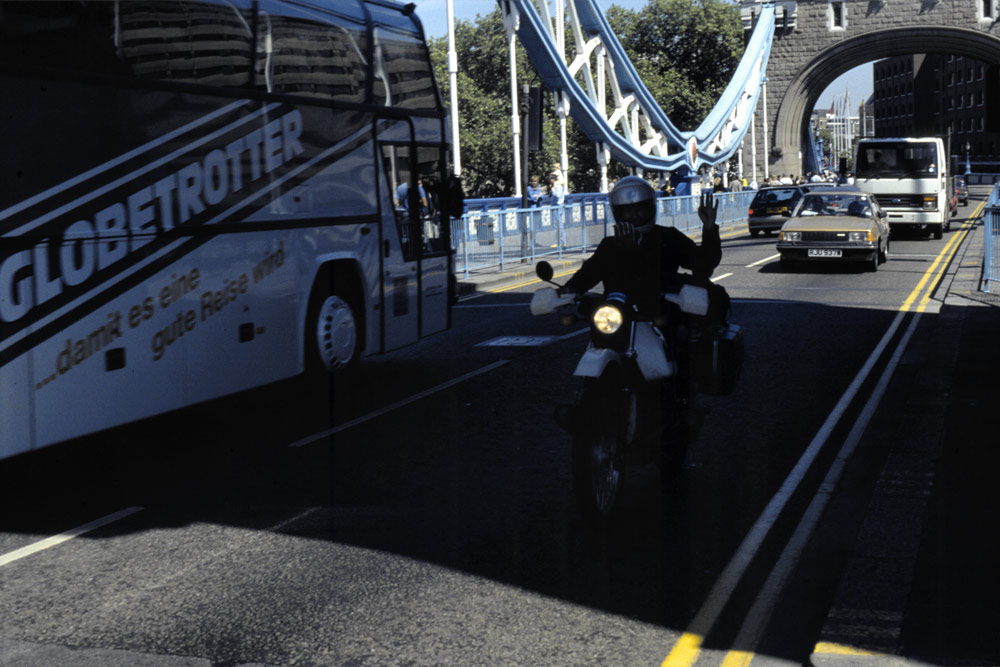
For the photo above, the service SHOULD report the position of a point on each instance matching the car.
(841, 224)
(771, 206)
(962, 190)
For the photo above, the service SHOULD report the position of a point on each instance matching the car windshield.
(835, 204)
(776, 197)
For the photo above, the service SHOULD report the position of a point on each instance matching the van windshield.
(900, 159)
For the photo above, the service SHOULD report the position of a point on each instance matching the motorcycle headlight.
(607, 319)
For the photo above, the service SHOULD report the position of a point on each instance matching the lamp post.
(967, 166)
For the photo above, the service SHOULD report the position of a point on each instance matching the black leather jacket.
(649, 268)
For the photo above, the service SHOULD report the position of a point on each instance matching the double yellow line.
(932, 277)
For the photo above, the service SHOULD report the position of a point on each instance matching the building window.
(987, 9)
(838, 14)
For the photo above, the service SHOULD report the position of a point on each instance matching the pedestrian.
(557, 189)
(403, 201)
(534, 192)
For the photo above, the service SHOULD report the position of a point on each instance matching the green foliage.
(684, 50)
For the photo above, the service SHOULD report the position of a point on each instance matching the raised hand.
(708, 209)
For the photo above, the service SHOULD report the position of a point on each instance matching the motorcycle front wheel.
(598, 458)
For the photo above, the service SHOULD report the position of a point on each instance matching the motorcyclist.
(642, 260)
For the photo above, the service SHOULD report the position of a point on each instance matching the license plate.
(824, 252)
(776, 211)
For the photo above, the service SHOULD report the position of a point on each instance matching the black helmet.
(633, 200)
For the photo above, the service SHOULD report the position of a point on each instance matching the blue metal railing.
(991, 230)
(498, 233)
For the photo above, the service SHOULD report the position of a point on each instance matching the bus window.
(408, 69)
(189, 42)
(406, 203)
(418, 219)
(315, 60)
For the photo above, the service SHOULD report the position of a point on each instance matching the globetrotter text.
(95, 240)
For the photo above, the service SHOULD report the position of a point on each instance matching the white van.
(909, 178)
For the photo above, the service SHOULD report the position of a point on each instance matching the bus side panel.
(434, 294)
(117, 364)
(133, 286)
(15, 407)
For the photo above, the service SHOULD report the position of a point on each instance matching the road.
(420, 512)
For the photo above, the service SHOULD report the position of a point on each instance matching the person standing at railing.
(557, 189)
(534, 192)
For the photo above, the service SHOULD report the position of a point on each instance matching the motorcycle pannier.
(717, 358)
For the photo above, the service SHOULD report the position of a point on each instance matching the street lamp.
(967, 166)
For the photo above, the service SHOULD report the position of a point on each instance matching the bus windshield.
(901, 159)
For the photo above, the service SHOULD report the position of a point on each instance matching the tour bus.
(910, 179)
(204, 196)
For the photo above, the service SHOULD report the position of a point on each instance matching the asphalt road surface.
(419, 511)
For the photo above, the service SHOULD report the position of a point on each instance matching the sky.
(434, 15)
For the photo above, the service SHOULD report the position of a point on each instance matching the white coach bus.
(199, 197)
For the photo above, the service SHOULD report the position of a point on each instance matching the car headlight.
(789, 236)
(860, 237)
(930, 203)
(607, 319)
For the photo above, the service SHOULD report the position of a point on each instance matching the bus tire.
(333, 329)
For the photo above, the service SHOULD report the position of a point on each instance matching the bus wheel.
(334, 335)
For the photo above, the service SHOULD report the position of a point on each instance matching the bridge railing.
(499, 233)
(991, 238)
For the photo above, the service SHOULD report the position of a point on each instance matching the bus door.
(420, 282)
(401, 240)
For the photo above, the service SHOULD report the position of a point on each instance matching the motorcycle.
(631, 407)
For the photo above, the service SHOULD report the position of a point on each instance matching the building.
(930, 94)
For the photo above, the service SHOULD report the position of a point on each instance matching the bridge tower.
(815, 41)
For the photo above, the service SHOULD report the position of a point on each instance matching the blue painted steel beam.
(715, 140)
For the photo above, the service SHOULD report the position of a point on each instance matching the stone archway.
(791, 119)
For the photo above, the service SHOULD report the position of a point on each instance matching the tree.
(685, 51)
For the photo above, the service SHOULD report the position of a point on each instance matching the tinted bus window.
(324, 61)
(408, 68)
(189, 42)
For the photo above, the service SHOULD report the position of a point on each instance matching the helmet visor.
(639, 214)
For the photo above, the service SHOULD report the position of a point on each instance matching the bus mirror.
(453, 197)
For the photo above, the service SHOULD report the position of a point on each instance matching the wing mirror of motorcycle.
(691, 299)
(545, 272)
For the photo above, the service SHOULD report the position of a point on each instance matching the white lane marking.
(575, 333)
(55, 540)
(718, 278)
(493, 305)
(398, 404)
(760, 613)
(763, 261)
(518, 341)
(724, 587)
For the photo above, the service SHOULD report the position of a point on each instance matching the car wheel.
(883, 254)
(872, 264)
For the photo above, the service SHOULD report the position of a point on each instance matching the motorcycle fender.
(651, 354)
(594, 361)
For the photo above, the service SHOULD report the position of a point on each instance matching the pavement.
(920, 583)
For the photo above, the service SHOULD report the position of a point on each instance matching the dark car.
(771, 207)
(961, 190)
